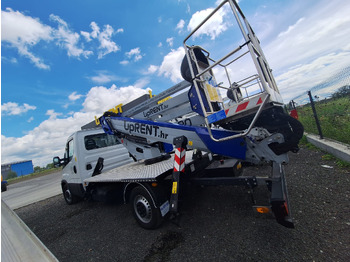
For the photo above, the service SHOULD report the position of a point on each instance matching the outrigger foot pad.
(281, 214)
(175, 219)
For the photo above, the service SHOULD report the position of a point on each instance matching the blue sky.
(63, 62)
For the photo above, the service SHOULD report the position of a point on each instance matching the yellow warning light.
(239, 165)
(154, 184)
(262, 210)
(190, 143)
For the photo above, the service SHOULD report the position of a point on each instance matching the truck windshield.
(99, 141)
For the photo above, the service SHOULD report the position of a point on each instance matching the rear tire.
(68, 196)
(143, 209)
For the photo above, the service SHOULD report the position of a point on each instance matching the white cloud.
(104, 77)
(107, 46)
(52, 114)
(23, 32)
(141, 83)
(86, 35)
(318, 31)
(160, 44)
(67, 39)
(30, 119)
(74, 96)
(104, 37)
(152, 69)
(303, 77)
(213, 27)
(134, 53)
(11, 108)
(54, 131)
(170, 66)
(95, 30)
(312, 48)
(100, 98)
(180, 25)
(124, 62)
(18, 28)
(170, 41)
(291, 28)
(11, 60)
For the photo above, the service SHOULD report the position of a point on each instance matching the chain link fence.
(325, 108)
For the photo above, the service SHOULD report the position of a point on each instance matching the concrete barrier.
(339, 150)
(18, 242)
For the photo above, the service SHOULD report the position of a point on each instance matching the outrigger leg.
(279, 196)
(179, 168)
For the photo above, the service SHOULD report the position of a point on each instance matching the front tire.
(68, 196)
(143, 208)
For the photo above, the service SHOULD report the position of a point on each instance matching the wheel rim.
(142, 209)
(68, 195)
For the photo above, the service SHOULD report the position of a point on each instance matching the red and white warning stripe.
(179, 163)
(251, 103)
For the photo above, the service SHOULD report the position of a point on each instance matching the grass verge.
(340, 163)
(334, 118)
(33, 175)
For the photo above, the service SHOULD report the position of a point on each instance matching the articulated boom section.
(196, 107)
(248, 124)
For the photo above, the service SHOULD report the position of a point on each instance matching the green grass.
(340, 163)
(334, 118)
(31, 176)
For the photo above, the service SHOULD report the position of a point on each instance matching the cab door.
(70, 172)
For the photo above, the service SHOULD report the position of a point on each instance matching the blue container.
(23, 168)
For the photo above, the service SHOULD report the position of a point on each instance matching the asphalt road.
(217, 223)
(33, 190)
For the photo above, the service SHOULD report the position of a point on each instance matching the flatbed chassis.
(154, 183)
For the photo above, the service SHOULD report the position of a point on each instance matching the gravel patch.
(217, 223)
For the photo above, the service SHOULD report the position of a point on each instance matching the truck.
(82, 151)
(201, 131)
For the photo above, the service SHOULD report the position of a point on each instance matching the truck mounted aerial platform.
(203, 128)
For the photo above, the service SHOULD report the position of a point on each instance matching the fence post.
(315, 115)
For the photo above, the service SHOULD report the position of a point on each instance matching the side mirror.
(57, 162)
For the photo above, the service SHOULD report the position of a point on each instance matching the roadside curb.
(338, 149)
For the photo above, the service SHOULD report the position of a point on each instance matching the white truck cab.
(83, 149)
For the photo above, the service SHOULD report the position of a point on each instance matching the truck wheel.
(144, 211)
(68, 196)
